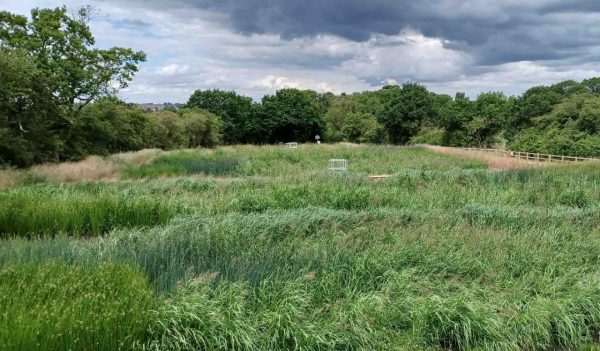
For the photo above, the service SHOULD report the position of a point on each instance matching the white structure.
(338, 165)
(291, 145)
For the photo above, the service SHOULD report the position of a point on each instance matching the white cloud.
(173, 70)
(273, 83)
(408, 55)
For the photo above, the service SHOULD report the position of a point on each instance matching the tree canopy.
(234, 110)
(57, 72)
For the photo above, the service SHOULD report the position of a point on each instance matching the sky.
(258, 46)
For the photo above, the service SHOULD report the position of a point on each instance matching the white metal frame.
(292, 145)
(338, 165)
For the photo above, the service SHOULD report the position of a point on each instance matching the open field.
(262, 248)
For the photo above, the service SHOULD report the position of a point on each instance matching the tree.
(291, 115)
(168, 130)
(201, 127)
(233, 109)
(535, 102)
(353, 118)
(63, 74)
(571, 128)
(108, 126)
(491, 112)
(403, 110)
(592, 85)
(18, 93)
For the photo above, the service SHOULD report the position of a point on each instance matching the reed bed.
(31, 212)
(185, 162)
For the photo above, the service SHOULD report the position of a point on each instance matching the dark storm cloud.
(494, 32)
(573, 6)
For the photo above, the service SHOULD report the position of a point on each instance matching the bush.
(57, 307)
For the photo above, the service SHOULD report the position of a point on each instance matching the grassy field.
(262, 248)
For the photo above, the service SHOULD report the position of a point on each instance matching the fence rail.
(531, 156)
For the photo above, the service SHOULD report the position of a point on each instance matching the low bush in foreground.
(58, 307)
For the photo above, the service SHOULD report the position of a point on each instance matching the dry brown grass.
(8, 178)
(345, 143)
(136, 158)
(92, 168)
(495, 161)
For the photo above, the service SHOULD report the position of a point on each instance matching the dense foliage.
(49, 71)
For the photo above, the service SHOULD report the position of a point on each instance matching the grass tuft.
(56, 307)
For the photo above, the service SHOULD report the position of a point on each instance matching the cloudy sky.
(258, 46)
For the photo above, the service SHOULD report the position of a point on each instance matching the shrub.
(58, 307)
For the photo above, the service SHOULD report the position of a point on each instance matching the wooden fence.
(530, 156)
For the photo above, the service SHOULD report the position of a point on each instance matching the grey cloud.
(359, 44)
(134, 23)
(493, 32)
(573, 6)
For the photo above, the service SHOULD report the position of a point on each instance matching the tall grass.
(8, 178)
(31, 212)
(184, 163)
(92, 168)
(354, 280)
(284, 255)
(56, 307)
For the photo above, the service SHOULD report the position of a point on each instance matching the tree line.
(57, 103)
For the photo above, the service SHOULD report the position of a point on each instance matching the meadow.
(263, 248)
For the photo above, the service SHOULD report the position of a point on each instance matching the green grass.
(49, 211)
(184, 163)
(56, 307)
(283, 255)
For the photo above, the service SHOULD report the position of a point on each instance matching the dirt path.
(494, 161)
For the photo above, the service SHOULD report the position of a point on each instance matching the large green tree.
(234, 110)
(60, 72)
(291, 115)
(571, 128)
(108, 126)
(404, 108)
(491, 111)
(353, 118)
(535, 102)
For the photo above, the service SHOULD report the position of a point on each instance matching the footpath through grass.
(279, 254)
